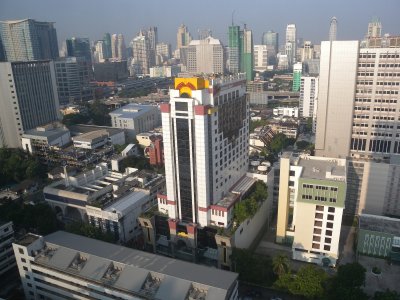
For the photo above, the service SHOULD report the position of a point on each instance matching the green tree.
(258, 123)
(90, 231)
(347, 283)
(279, 142)
(308, 127)
(301, 145)
(73, 119)
(280, 264)
(386, 295)
(98, 112)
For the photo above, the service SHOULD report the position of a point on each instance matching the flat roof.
(134, 267)
(132, 111)
(82, 128)
(317, 169)
(90, 136)
(48, 134)
(380, 224)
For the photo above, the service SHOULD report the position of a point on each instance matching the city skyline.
(119, 18)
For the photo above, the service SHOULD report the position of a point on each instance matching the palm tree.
(280, 264)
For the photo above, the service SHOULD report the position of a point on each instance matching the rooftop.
(241, 187)
(322, 169)
(45, 133)
(132, 111)
(91, 136)
(82, 128)
(380, 224)
(132, 270)
(27, 239)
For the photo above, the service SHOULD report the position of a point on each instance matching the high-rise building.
(142, 53)
(163, 51)
(7, 260)
(107, 45)
(307, 52)
(374, 28)
(183, 37)
(28, 39)
(72, 77)
(199, 177)
(235, 49)
(100, 51)
(291, 43)
(118, 49)
(260, 57)
(308, 96)
(312, 193)
(271, 39)
(247, 56)
(205, 56)
(333, 29)
(297, 70)
(152, 35)
(79, 47)
(28, 98)
(358, 117)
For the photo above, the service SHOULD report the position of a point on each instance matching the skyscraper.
(205, 56)
(100, 51)
(297, 69)
(28, 98)
(291, 43)
(107, 45)
(358, 117)
(141, 53)
(152, 35)
(271, 39)
(247, 55)
(183, 37)
(79, 47)
(118, 49)
(260, 57)
(28, 40)
(333, 29)
(308, 96)
(374, 28)
(235, 50)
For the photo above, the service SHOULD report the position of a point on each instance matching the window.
(25, 268)
(319, 216)
(292, 173)
(23, 260)
(317, 231)
(27, 277)
(330, 217)
(328, 232)
(329, 225)
(328, 240)
(318, 223)
(315, 245)
(319, 208)
(21, 251)
(316, 238)
(327, 247)
(331, 209)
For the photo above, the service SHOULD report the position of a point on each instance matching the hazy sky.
(91, 18)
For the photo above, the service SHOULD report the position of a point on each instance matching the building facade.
(142, 53)
(7, 258)
(312, 192)
(183, 37)
(28, 39)
(235, 48)
(28, 98)
(297, 70)
(271, 39)
(333, 29)
(64, 265)
(79, 47)
(260, 58)
(205, 57)
(308, 96)
(291, 43)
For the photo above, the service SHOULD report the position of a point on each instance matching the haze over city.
(91, 18)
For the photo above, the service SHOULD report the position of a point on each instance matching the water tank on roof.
(266, 163)
(262, 168)
(255, 163)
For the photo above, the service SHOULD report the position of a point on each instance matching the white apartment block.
(106, 199)
(68, 266)
(286, 111)
(312, 193)
(206, 141)
(308, 96)
(205, 57)
(7, 259)
(260, 57)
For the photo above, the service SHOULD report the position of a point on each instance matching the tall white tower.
(291, 40)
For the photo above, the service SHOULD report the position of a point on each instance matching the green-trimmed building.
(379, 236)
(297, 70)
(241, 51)
(312, 193)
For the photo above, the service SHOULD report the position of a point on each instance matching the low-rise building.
(63, 265)
(136, 118)
(45, 137)
(165, 71)
(155, 152)
(312, 192)
(7, 259)
(146, 138)
(292, 112)
(379, 236)
(288, 128)
(88, 135)
(107, 199)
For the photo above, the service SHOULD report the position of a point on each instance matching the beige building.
(312, 193)
(205, 56)
(359, 117)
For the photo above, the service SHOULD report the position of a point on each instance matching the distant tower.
(333, 29)
(374, 28)
(183, 37)
(290, 46)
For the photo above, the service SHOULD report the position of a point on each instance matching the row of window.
(319, 187)
(389, 56)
